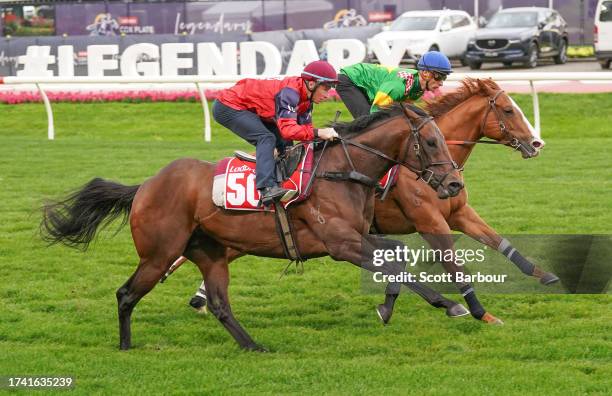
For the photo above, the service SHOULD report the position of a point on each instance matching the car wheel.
(605, 63)
(475, 65)
(562, 57)
(507, 64)
(434, 48)
(532, 56)
(463, 61)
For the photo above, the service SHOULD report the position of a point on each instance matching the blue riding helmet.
(435, 61)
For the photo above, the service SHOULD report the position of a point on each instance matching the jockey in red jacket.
(269, 112)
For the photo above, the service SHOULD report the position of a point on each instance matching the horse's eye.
(431, 142)
(508, 110)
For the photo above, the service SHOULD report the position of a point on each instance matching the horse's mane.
(361, 124)
(433, 107)
(469, 87)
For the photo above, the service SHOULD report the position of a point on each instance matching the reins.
(424, 172)
(466, 142)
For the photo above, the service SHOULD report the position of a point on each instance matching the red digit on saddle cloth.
(234, 183)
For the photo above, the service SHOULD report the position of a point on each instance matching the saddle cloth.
(234, 183)
(389, 177)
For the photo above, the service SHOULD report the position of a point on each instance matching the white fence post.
(50, 125)
(207, 137)
(536, 108)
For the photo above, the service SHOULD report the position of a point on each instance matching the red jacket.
(284, 101)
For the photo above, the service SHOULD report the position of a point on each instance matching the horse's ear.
(411, 114)
(405, 109)
(485, 86)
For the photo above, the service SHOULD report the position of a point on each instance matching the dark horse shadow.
(173, 213)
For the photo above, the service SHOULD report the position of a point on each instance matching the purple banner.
(216, 19)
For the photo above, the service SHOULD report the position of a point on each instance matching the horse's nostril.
(537, 144)
(455, 186)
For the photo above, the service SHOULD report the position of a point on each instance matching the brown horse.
(479, 108)
(173, 213)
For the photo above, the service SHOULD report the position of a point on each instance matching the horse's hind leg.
(211, 259)
(157, 250)
(137, 286)
(198, 301)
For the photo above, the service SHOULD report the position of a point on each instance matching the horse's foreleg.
(470, 223)
(349, 245)
(443, 242)
(434, 298)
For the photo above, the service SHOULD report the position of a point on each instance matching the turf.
(58, 308)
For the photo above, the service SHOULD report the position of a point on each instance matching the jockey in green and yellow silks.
(366, 87)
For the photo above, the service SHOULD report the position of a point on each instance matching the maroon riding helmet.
(320, 71)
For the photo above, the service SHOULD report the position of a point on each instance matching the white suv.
(602, 32)
(447, 31)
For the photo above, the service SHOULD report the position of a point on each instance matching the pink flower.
(12, 97)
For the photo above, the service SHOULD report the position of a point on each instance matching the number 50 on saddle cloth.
(234, 183)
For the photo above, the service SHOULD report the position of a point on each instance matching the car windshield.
(513, 19)
(414, 23)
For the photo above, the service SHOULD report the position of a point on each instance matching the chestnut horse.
(479, 108)
(173, 213)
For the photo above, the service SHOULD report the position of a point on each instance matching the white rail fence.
(200, 82)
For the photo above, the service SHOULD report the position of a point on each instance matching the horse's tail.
(74, 220)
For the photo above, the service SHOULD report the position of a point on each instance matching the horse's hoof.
(199, 304)
(255, 348)
(456, 311)
(490, 319)
(549, 278)
(384, 313)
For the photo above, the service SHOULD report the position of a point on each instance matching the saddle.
(234, 182)
(286, 163)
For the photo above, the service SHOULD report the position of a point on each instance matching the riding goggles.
(439, 76)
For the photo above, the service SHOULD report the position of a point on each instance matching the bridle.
(510, 140)
(425, 172)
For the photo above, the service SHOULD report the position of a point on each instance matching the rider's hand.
(327, 133)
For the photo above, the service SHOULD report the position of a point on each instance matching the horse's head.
(425, 152)
(406, 135)
(504, 121)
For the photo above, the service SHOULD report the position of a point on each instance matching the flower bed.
(18, 97)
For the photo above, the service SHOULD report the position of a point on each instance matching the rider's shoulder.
(406, 74)
(406, 70)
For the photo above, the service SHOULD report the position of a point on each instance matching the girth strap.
(285, 232)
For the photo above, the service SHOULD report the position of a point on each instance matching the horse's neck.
(463, 122)
(386, 138)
